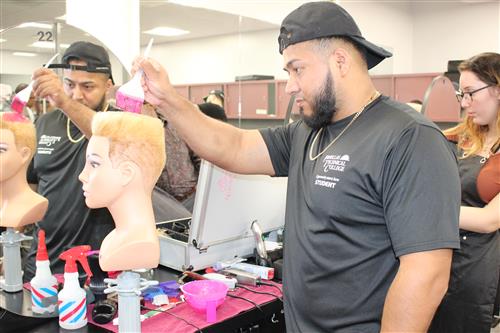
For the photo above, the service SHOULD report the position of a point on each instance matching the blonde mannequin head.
(19, 204)
(23, 131)
(133, 137)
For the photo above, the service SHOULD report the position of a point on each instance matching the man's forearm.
(236, 150)
(414, 296)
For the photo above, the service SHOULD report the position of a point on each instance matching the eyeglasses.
(467, 95)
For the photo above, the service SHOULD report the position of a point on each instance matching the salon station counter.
(237, 313)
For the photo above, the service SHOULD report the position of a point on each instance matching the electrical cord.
(259, 292)
(271, 285)
(177, 317)
(249, 301)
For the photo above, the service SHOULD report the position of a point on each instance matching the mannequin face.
(102, 183)
(11, 159)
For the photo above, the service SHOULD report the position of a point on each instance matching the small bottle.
(72, 298)
(44, 284)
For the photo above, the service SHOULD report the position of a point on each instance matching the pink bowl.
(205, 296)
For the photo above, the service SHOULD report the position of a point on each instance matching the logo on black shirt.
(332, 163)
(45, 143)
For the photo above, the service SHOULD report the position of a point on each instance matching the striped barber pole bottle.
(72, 314)
(41, 301)
(72, 298)
(43, 285)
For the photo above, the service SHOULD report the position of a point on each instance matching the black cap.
(218, 93)
(95, 56)
(213, 111)
(326, 19)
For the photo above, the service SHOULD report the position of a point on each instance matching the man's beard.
(323, 107)
(101, 105)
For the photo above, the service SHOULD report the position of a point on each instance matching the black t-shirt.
(55, 168)
(388, 187)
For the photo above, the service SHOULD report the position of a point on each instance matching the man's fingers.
(42, 71)
(45, 86)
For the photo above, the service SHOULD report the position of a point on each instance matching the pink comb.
(130, 96)
(22, 97)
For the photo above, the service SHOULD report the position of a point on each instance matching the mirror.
(226, 40)
(198, 61)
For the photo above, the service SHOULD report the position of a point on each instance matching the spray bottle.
(72, 298)
(44, 284)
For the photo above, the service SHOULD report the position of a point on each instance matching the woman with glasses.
(469, 302)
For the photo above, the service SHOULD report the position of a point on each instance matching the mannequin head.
(124, 148)
(17, 144)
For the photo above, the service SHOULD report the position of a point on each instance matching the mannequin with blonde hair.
(125, 157)
(20, 205)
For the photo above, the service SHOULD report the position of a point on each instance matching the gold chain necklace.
(356, 116)
(486, 152)
(68, 132)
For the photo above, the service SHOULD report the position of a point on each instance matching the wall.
(11, 64)
(390, 25)
(423, 36)
(445, 32)
(14, 79)
(221, 58)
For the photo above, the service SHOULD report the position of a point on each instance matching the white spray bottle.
(44, 284)
(72, 298)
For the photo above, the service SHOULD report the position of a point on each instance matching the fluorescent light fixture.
(48, 45)
(43, 45)
(24, 54)
(191, 3)
(35, 25)
(2, 40)
(166, 31)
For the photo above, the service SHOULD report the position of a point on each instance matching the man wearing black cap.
(374, 192)
(60, 155)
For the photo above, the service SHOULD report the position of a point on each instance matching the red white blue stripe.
(72, 312)
(38, 294)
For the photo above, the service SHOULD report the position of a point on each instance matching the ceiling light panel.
(166, 31)
(48, 45)
(24, 54)
(35, 25)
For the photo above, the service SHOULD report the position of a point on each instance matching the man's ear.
(341, 60)
(25, 154)
(108, 85)
(128, 171)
